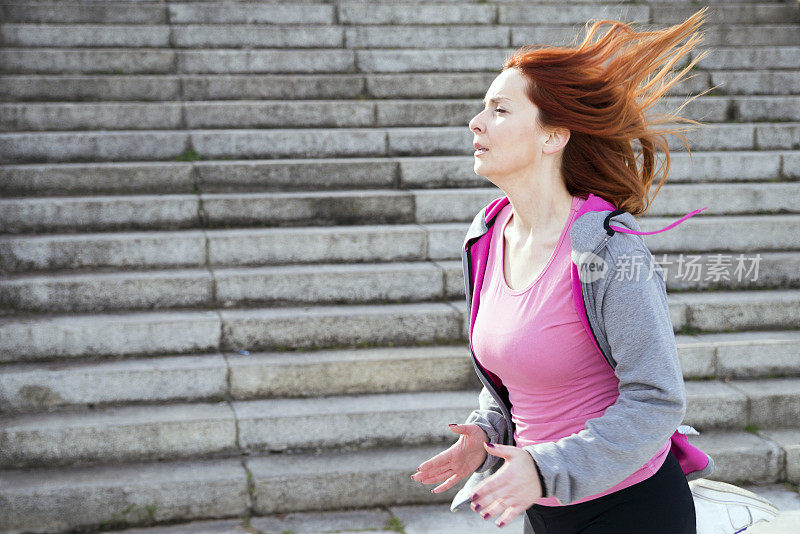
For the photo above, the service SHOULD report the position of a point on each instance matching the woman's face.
(508, 129)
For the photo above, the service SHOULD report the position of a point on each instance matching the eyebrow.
(497, 99)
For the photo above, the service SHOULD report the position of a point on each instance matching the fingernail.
(484, 516)
(433, 491)
(474, 497)
(501, 524)
(477, 507)
(490, 445)
(418, 469)
(452, 424)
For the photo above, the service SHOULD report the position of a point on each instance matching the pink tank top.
(533, 340)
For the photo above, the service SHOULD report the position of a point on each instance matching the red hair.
(600, 91)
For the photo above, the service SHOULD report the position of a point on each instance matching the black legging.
(660, 504)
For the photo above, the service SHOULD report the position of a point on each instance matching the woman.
(584, 384)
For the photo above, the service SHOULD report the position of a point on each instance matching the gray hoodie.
(629, 319)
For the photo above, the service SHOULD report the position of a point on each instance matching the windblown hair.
(600, 91)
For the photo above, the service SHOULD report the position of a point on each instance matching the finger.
(467, 430)
(437, 462)
(432, 471)
(449, 483)
(498, 449)
(433, 479)
(436, 470)
(509, 515)
(483, 494)
(494, 509)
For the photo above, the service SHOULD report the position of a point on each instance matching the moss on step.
(395, 525)
(132, 514)
(689, 330)
(188, 155)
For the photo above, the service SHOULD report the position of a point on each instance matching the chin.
(478, 170)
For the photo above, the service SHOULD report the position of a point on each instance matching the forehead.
(508, 86)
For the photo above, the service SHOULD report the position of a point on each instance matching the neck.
(538, 210)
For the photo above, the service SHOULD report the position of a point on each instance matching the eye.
(500, 110)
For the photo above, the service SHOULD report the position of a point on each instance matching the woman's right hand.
(459, 461)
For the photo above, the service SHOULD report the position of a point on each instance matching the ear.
(556, 140)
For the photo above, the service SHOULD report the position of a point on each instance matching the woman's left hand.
(511, 490)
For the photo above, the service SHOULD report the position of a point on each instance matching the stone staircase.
(222, 219)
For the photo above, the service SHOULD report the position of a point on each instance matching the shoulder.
(589, 231)
(627, 255)
(623, 244)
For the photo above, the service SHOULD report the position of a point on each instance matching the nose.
(475, 124)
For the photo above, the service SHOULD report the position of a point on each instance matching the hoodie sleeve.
(489, 417)
(491, 420)
(652, 397)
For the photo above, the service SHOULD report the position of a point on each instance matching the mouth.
(479, 149)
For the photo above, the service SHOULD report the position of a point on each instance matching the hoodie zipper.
(584, 293)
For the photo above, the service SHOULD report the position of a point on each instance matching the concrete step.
(326, 174)
(350, 244)
(188, 430)
(94, 213)
(335, 113)
(335, 208)
(126, 494)
(159, 145)
(353, 13)
(69, 337)
(438, 519)
(726, 13)
(135, 250)
(31, 387)
(425, 518)
(125, 290)
(198, 87)
(87, 12)
(185, 431)
(743, 57)
(368, 283)
(328, 60)
(161, 12)
(146, 493)
(756, 82)
(728, 33)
